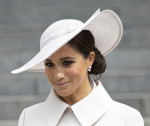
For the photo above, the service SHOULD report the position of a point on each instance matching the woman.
(69, 52)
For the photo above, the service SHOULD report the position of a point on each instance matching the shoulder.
(120, 106)
(31, 115)
(131, 116)
(34, 108)
(121, 115)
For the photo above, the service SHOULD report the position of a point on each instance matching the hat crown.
(59, 28)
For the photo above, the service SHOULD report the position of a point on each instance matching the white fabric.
(97, 109)
(68, 118)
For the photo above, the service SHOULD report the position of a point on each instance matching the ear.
(91, 58)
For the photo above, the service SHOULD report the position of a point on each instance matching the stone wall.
(22, 22)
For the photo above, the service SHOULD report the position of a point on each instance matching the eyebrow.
(64, 58)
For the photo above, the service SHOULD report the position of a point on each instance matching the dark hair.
(84, 43)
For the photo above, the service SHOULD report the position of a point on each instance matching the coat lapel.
(92, 107)
(53, 108)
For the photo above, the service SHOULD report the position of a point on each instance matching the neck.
(79, 94)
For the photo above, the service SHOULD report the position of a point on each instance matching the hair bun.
(99, 64)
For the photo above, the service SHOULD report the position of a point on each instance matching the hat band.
(47, 39)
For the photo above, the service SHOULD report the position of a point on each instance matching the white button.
(68, 109)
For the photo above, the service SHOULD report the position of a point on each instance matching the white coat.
(96, 109)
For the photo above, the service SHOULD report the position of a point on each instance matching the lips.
(63, 83)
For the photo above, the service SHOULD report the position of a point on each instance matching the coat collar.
(54, 108)
(87, 111)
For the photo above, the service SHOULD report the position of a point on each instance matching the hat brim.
(105, 26)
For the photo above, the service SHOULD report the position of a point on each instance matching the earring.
(89, 69)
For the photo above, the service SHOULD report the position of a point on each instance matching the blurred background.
(22, 22)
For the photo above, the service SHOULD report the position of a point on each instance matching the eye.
(49, 64)
(67, 63)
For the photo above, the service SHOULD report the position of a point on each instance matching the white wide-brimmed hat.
(105, 26)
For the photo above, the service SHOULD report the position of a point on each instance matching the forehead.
(64, 51)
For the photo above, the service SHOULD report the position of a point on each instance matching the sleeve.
(134, 119)
(22, 119)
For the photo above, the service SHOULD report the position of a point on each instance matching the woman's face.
(66, 71)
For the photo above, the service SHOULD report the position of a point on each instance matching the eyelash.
(65, 63)
(49, 64)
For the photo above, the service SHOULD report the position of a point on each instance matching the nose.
(59, 74)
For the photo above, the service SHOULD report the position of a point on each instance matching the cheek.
(48, 74)
(76, 71)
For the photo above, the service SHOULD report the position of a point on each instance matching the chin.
(63, 93)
